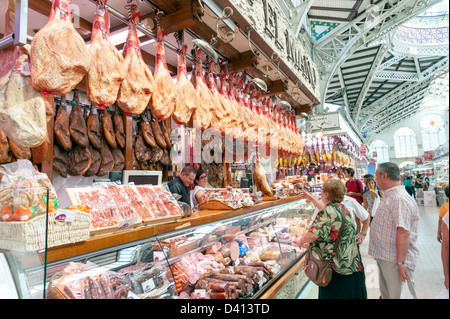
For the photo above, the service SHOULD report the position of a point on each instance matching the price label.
(127, 223)
(148, 285)
(65, 215)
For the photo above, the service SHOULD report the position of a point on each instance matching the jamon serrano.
(107, 69)
(94, 129)
(22, 108)
(164, 96)
(4, 148)
(206, 102)
(259, 176)
(61, 127)
(77, 125)
(96, 161)
(186, 101)
(108, 129)
(59, 56)
(138, 86)
(141, 149)
(158, 134)
(119, 129)
(107, 159)
(59, 160)
(222, 109)
(78, 160)
(147, 133)
(19, 151)
(119, 159)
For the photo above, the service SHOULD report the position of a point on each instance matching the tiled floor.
(428, 276)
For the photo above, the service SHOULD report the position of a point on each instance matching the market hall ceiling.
(358, 46)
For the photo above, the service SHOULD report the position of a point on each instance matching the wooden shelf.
(125, 236)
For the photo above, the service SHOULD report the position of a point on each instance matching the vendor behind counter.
(180, 185)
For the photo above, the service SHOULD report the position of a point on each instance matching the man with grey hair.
(393, 233)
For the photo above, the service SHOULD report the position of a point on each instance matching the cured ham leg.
(138, 86)
(164, 96)
(186, 101)
(59, 56)
(259, 176)
(206, 102)
(107, 69)
(22, 108)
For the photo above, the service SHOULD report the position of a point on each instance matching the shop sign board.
(363, 150)
(419, 161)
(268, 21)
(428, 156)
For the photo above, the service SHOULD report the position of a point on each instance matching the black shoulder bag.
(320, 271)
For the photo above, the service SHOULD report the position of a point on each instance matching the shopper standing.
(393, 234)
(372, 197)
(348, 281)
(442, 237)
(408, 185)
(354, 186)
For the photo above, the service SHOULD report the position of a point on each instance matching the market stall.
(134, 92)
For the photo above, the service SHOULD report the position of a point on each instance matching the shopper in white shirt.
(198, 193)
(359, 214)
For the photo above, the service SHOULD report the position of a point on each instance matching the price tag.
(65, 215)
(23, 68)
(127, 222)
(148, 285)
(199, 294)
(132, 295)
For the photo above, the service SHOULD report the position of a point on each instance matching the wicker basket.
(30, 235)
(215, 204)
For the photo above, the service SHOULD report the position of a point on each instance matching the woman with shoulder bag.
(334, 224)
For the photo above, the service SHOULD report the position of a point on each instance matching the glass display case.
(237, 257)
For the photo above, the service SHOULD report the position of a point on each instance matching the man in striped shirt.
(393, 233)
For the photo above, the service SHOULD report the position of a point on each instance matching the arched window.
(405, 143)
(433, 131)
(382, 150)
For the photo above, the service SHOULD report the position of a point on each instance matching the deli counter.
(241, 253)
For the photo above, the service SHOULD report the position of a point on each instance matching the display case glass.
(237, 257)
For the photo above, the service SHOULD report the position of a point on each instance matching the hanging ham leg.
(186, 102)
(138, 86)
(4, 148)
(61, 126)
(108, 163)
(59, 161)
(94, 129)
(22, 108)
(59, 56)
(259, 176)
(107, 69)
(206, 102)
(77, 125)
(108, 129)
(119, 129)
(164, 96)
